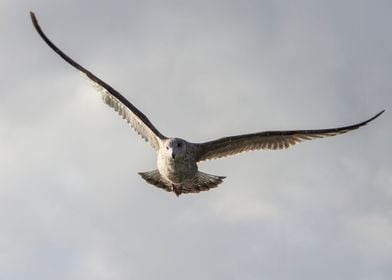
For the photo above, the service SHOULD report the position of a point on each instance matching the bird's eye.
(179, 145)
(167, 147)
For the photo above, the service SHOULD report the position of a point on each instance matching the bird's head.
(175, 147)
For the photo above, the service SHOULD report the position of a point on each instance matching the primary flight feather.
(177, 158)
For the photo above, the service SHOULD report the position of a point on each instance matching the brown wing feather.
(111, 97)
(268, 140)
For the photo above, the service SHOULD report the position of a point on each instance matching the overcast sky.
(72, 205)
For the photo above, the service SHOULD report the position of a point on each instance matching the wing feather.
(136, 119)
(267, 140)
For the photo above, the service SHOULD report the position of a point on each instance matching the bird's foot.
(176, 191)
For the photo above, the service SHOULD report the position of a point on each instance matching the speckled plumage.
(177, 159)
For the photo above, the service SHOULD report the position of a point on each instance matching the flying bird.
(177, 159)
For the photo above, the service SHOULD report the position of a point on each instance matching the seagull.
(177, 159)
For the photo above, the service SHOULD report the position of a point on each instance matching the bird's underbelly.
(176, 171)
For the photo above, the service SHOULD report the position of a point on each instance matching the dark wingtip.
(33, 18)
(376, 116)
(35, 22)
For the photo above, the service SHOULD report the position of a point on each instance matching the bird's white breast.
(176, 170)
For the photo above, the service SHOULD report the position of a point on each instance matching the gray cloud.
(71, 203)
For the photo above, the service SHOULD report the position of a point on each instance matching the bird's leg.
(175, 190)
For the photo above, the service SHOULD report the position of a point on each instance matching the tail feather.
(154, 177)
(201, 182)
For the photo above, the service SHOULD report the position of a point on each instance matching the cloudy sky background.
(71, 203)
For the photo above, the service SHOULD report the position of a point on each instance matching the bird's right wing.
(270, 140)
(111, 97)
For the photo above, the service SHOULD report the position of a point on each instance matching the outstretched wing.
(271, 140)
(111, 97)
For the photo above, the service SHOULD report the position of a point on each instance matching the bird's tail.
(154, 178)
(201, 182)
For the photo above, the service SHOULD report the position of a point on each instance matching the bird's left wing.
(270, 140)
(111, 97)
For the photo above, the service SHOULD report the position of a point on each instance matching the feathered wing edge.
(271, 140)
(111, 97)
